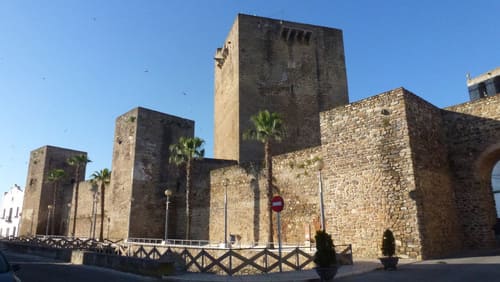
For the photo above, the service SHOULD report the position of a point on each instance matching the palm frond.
(78, 160)
(102, 176)
(56, 175)
(187, 148)
(267, 126)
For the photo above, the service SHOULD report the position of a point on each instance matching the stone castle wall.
(85, 213)
(473, 138)
(247, 202)
(368, 175)
(386, 166)
(440, 229)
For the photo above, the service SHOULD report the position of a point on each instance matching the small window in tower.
(300, 36)
(307, 37)
(291, 38)
(496, 83)
(284, 33)
(481, 87)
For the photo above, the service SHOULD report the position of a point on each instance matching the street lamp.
(94, 215)
(68, 219)
(49, 213)
(320, 165)
(225, 182)
(168, 193)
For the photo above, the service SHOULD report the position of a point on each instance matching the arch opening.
(495, 186)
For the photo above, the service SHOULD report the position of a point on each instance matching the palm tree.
(185, 152)
(77, 161)
(267, 128)
(102, 178)
(55, 176)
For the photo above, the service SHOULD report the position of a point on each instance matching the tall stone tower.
(297, 70)
(135, 200)
(39, 192)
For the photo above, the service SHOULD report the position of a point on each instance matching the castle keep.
(390, 161)
(295, 69)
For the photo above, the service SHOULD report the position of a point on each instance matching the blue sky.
(68, 68)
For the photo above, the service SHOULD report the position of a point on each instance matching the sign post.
(277, 205)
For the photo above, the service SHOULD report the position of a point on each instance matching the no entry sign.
(277, 203)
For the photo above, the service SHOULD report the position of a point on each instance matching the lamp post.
(49, 213)
(319, 166)
(94, 213)
(168, 193)
(225, 182)
(69, 219)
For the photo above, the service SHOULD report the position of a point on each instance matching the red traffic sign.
(277, 203)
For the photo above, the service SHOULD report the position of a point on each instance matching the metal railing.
(198, 255)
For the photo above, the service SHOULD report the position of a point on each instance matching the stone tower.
(39, 191)
(297, 70)
(135, 200)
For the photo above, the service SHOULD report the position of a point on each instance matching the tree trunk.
(101, 230)
(189, 166)
(269, 168)
(77, 187)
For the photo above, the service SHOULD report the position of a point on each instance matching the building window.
(17, 212)
(10, 216)
(3, 216)
(14, 232)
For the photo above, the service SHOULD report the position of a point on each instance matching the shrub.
(388, 244)
(325, 250)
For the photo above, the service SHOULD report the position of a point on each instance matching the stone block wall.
(295, 179)
(473, 138)
(369, 175)
(200, 201)
(440, 229)
(39, 191)
(85, 218)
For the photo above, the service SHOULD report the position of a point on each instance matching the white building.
(10, 211)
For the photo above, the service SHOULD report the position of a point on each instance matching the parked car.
(8, 271)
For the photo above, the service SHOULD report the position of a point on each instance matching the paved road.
(481, 268)
(484, 269)
(40, 269)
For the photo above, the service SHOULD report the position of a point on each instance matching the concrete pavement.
(360, 266)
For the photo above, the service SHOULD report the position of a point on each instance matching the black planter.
(326, 273)
(390, 263)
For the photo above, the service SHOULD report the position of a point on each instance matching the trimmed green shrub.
(388, 244)
(325, 255)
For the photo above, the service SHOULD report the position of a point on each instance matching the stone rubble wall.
(295, 180)
(473, 138)
(441, 231)
(369, 174)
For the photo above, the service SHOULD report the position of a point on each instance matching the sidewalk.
(358, 267)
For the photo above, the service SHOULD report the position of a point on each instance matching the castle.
(390, 161)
